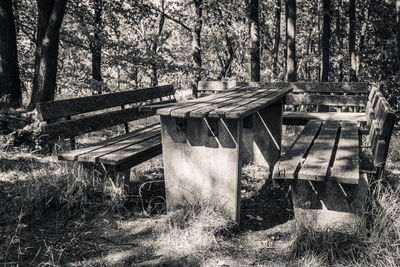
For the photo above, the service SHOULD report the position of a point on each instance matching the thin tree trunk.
(291, 41)
(95, 47)
(254, 26)
(364, 18)
(154, 77)
(352, 40)
(277, 38)
(339, 38)
(398, 32)
(326, 34)
(50, 17)
(10, 85)
(196, 44)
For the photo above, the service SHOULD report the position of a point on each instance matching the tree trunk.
(326, 34)
(254, 26)
(50, 17)
(352, 40)
(95, 47)
(154, 77)
(277, 35)
(196, 44)
(10, 85)
(291, 40)
(398, 32)
(364, 18)
(339, 38)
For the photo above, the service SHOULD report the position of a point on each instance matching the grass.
(37, 187)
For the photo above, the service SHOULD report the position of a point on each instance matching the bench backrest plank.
(68, 107)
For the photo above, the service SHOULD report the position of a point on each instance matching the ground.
(47, 219)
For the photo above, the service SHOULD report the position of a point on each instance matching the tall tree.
(291, 64)
(278, 10)
(95, 47)
(352, 40)
(196, 44)
(156, 42)
(10, 86)
(326, 34)
(254, 26)
(398, 30)
(365, 16)
(50, 17)
(339, 37)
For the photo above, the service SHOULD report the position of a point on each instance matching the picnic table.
(206, 141)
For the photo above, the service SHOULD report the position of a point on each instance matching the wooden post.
(197, 165)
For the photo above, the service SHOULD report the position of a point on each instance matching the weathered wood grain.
(92, 123)
(317, 162)
(73, 154)
(306, 116)
(345, 168)
(289, 164)
(67, 107)
(329, 87)
(93, 156)
(327, 100)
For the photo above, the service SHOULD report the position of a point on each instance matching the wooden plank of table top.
(288, 165)
(184, 112)
(73, 154)
(128, 153)
(203, 111)
(94, 156)
(243, 100)
(251, 107)
(167, 111)
(345, 168)
(317, 162)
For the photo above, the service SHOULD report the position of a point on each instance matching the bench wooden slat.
(73, 154)
(345, 168)
(259, 104)
(94, 156)
(73, 106)
(132, 152)
(92, 123)
(342, 87)
(293, 117)
(327, 100)
(317, 162)
(288, 165)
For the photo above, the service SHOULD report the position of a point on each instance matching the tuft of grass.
(192, 230)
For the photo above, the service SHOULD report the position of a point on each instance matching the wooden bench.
(324, 164)
(73, 117)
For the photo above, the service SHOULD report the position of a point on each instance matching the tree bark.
(291, 64)
(352, 41)
(277, 38)
(339, 38)
(10, 85)
(326, 34)
(95, 47)
(364, 18)
(196, 44)
(254, 26)
(154, 76)
(398, 32)
(50, 17)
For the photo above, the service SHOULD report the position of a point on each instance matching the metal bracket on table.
(180, 124)
(212, 126)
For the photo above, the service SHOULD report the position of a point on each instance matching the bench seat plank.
(93, 156)
(317, 162)
(327, 100)
(346, 165)
(73, 154)
(138, 152)
(288, 165)
(290, 117)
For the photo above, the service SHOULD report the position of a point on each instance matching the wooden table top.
(235, 103)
